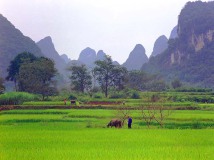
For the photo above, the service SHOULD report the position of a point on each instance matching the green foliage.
(72, 97)
(142, 81)
(186, 89)
(36, 77)
(2, 87)
(15, 64)
(135, 95)
(81, 79)
(107, 74)
(176, 83)
(98, 95)
(15, 98)
(117, 95)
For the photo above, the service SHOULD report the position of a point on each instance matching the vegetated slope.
(190, 57)
(13, 42)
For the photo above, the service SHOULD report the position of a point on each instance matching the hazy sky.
(115, 26)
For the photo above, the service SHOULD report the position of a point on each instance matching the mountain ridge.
(12, 43)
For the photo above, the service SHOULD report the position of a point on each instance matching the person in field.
(129, 122)
(65, 101)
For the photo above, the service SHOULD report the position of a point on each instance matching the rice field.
(82, 134)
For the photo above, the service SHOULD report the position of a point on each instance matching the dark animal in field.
(117, 123)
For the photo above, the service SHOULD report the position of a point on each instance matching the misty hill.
(190, 57)
(87, 57)
(47, 47)
(136, 58)
(160, 45)
(65, 58)
(100, 55)
(174, 33)
(13, 42)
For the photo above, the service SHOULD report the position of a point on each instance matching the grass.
(14, 98)
(33, 141)
(100, 117)
(82, 134)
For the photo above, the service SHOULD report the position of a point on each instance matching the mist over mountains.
(187, 54)
(190, 56)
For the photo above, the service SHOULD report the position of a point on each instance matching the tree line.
(38, 75)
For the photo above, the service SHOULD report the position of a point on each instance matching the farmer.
(65, 101)
(129, 122)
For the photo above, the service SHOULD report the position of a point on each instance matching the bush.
(15, 98)
(72, 97)
(135, 95)
(98, 95)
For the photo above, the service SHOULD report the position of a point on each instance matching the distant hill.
(160, 45)
(65, 58)
(174, 33)
(136, 58)
(190, 56)
(74, 63)
(47, 47)
(100, 55)
(13, 42)
(87, 57)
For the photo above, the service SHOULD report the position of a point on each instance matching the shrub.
(135, 95)
(15, 98)
(72, 97)
(98, 95)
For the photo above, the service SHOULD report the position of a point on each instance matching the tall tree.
(13, 69)
(2, 88)
(80, 78)
(140, 80)
(37, 77)
(108, 74)
(176, 83)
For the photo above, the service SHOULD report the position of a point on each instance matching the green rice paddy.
(82, 134)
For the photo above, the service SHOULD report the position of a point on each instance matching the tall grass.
(15, 98)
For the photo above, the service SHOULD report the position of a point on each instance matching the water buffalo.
(117, 123)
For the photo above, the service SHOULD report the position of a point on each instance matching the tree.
(120, 76)
(2, 88)
(176, 83)
(37, 77)
(107, 74)
(137, 80)
(157, 113)
(80, 78)
(13, 69)
(140, 80)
